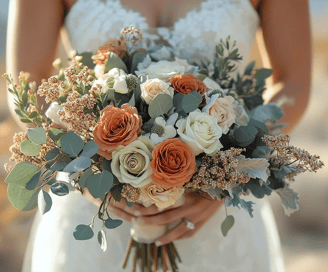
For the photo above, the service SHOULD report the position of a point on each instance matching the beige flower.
(153, 87)
(131, 163)
(200, 132)
(162, 198)
(223, 109)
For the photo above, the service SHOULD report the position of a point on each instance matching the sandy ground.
(304, 235)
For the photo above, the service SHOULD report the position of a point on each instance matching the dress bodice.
(90, 23)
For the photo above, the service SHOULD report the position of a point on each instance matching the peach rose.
(116, 127)
(188, 83)
(153, 193)
(173, 163)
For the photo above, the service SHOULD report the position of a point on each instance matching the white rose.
(200, 132)
(102, 80)
(223, 109)
(212, 85)
(162, 69)
(52, 114)
(152, 193)
(99, 70)
(120, 85)
(153, 87)
(131, 163)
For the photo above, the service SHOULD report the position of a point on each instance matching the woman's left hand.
(196, 209)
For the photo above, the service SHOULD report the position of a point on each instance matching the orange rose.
(173, 163)
(116, 127)
(188, 83)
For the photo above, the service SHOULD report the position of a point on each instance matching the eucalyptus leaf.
(89, 149)
(116, 192)
(44, 202)
(83, 232)
(262, 74)
(261, 152)
(245, 134)
(84, 178)
(114, 61)
(177, 100)
(227, 224)
(20, 197)
(78, 164)
(249, 68)
(37, 135)
(87, 59)
(30, 149)
(191, 101)
(56, 135)
(136, 59)
(33, 182)
(102, 240)
(259, 125)
(160, 105)
(52, 154)
(22, 173)
(72, 144)
(106, 165)
(113, 223)
(100, 184)
(58, 166)
(130, 204)
(266, 112)
(59, 189)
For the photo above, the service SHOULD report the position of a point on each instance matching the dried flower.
(51, 89)
(131, 193)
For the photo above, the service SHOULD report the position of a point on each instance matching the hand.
(196, 209)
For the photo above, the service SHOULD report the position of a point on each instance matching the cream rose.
(162, 198)
(162, 69)
(102, 80)
(153, 87)
(212, 85)
(223, 109)
(120, 85)
(200, 132)
(52, 114)
(131, 163)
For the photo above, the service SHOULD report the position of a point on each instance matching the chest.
(161, 13)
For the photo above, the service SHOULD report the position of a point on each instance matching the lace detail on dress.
(91, 23)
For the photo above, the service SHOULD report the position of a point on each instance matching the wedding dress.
(252, 245)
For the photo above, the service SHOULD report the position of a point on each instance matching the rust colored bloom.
(188, 83)
(116, 127)
(173, 163)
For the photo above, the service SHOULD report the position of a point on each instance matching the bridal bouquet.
(146, 126)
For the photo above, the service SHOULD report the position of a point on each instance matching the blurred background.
(304, 235)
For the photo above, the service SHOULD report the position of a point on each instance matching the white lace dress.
(253, 243)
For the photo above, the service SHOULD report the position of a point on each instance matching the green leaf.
(52, 154)
(259, 125)
(191, 101)
(56, 135)
(266, 112)
(130, 204)
(102, 240)
(249, 68)
(83, 232)
(262, 74)
(22, 173)
(58, 166)
(87, 60)
(136, 59)
(114, 61)
(72, 144)
(116, 192)
(21, 198)
(289, 199)
(90, 149)
(33, 182)
(256, 189)
(26, 120)
(19, 113)
(235, 200)
(37, 135)
(24, 98)
(100, 184)
(30, 149)
(78, 164)
(44, 202)
(106, 165)
(33, 114)
(113, 223)
(59, 189)
(84, 178)
(177, 100)
(245, 134)
(160, 105)
(227, 225)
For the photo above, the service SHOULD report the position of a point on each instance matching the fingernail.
(137, 213)
(158, 243)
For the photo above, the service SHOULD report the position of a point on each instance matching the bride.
(192, 28)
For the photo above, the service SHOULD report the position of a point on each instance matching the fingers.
(121, 213)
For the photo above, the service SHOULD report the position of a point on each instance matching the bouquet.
(146, 126)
